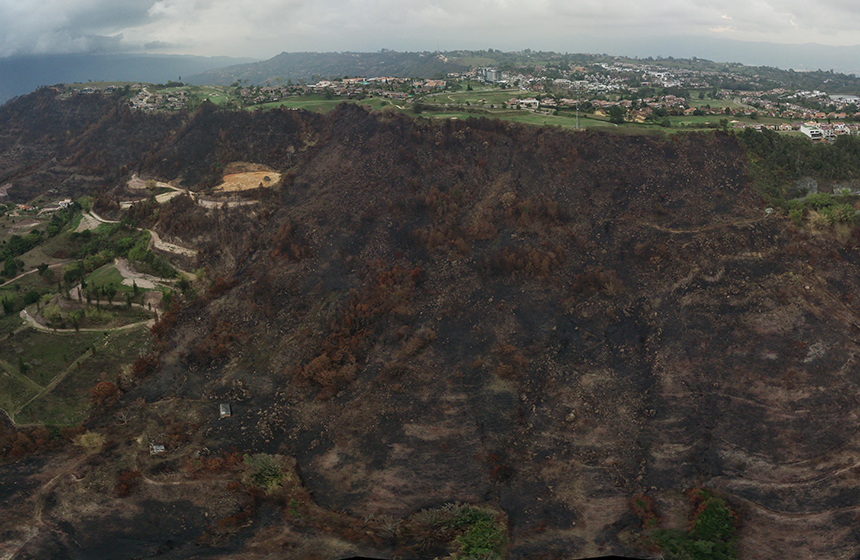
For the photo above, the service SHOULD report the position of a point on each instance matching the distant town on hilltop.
(571, 91)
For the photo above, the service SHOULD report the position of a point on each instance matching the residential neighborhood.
(666, 93)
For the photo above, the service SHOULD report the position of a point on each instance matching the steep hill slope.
(72, 146)
(569, 329)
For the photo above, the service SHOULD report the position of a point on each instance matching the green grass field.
(14, 392)
(9, 323)
(68, 358)
(488, 102)
(319, 104)
(215, 94)
(477, 97)
(45, 354)
(527, 117)
(106, 275)
(32, 281)
(69, 402)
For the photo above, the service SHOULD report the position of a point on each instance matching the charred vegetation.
(567, 330)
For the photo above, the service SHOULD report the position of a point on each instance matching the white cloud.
(263, 28)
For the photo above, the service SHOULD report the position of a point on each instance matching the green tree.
(10, 267)
(109, 290)
(616, 114)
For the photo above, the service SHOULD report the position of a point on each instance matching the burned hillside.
(577, 331)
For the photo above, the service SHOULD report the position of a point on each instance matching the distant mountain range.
(308, 65)
(20, 75)
(800, 57)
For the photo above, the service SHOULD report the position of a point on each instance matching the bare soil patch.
(137, 183)
(88, 221)
(23, 227)
(236, 182)
(241, 176)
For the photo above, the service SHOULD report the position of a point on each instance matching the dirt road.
(39, 326)
(130, 277)
(88, 221)
(156, 242)
(93, 220)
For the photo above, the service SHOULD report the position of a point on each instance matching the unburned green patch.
(42, 356)
(14, 391)
(107, 274)
(96, 357)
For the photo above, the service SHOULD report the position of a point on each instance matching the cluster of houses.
(786, 109)
(827, 131)
(377, 86)
(601, 78)
(641, 110)
(387, 87)
(90, 90)
(605, 78)
(143, 100)
(65, 203)
(593, 83)
(637, 110)
(815, 131)
(146, 101)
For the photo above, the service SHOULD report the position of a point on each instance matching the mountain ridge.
(306, 65)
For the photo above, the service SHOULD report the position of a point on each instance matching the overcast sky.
(264, 28)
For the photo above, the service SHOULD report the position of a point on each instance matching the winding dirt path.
(131, 277)
(40, 327)
(32, 271)
(36, 523)
(676, 231)
(154, 239)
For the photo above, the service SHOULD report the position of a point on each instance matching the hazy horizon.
(263, 28)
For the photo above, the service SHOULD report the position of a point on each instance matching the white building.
(812, 130)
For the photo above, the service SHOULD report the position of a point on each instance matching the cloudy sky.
(264, 28)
